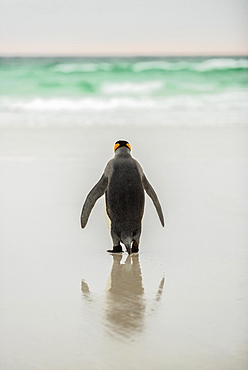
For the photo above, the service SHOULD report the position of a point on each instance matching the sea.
(158, 91)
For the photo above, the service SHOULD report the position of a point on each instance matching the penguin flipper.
(152, 194)
(96, 192)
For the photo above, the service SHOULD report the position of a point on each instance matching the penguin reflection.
(125, 304)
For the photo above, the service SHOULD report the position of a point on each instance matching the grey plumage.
(123, 183)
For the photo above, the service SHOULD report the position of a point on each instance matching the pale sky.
(126, 27)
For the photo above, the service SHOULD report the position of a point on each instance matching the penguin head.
(121, 144)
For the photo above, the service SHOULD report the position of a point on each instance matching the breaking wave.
(228, 100)
(207, 65)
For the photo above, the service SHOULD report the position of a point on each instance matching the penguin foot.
(135, 247)
(135, 250)
(117, 249)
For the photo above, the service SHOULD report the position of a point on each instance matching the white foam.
(221, 63)
(227, 100)
(81, 67)
(199, 66)
(65, 104)
(141, 88)
(162, 65)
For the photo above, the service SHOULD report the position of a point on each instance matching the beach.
(181, 303)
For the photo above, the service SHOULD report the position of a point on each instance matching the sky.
(126, 27)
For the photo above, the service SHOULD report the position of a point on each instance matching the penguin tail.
(127, 241)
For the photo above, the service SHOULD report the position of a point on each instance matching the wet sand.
(181, 303)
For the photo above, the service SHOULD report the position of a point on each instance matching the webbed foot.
(116, 249)
(135, 247)
(135, 250)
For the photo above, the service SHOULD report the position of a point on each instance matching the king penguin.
(123, 182)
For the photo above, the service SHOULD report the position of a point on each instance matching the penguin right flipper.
(96, 192)
(151, 192)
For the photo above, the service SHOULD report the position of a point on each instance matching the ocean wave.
(200, 66)
(137, 66)
(221, 64)
(128, 87)
(159, 66)
(82, 67)
(121, 77)
(64, 104)
(224, 101)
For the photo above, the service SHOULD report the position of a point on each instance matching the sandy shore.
(180, 304)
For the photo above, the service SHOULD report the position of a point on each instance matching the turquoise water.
(167, 89)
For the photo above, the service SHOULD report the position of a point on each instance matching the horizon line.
(119, 55)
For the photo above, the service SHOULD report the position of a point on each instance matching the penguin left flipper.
(96, 192)
(151, 192)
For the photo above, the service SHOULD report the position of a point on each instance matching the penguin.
(124, 184)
